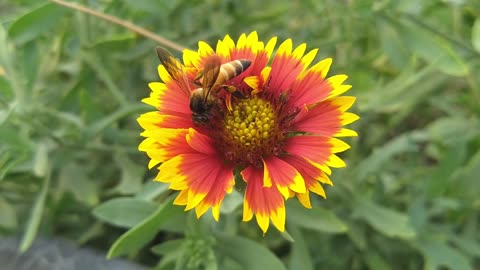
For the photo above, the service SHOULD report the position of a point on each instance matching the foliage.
(70, 91)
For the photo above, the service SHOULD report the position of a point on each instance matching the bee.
(212, 80)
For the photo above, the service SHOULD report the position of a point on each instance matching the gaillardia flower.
(278, 125)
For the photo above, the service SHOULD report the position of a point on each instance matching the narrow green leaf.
(287, 236)
(375, 261)
(15, 148)
(74, 179)
(438, 183)
(392, 44)
(117, 42)
(132, 175)
(142, 233)
(249, 254)
(124, 212)
(407, 142)
(476, 35)
(171, 246)
(35, 215)
(35, 23)
(170, 251)
(467, 245)
(432, 49)
(438, 254)
(144, 5)
(465, 184)
(388, 222)
(123, 111)
(6, 91)
(151, 190)
(104, 74)
(8, 216)
(40, 163)
(300, 257)
(454, 130)
(318, 219)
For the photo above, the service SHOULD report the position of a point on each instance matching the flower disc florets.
(251, 131)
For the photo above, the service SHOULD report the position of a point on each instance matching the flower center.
(251, 131)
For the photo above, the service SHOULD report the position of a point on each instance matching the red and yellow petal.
(164, 144)
(156, 120)
(200, 142)
(266, 203)
(311, 88)
(217, 192)
(327, 118)
(203, 179)
(284, 69)
(168, 97)
(319, 150)
(288, 65)
(284, 176)
(311, 175)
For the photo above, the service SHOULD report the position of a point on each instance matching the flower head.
(278, 124)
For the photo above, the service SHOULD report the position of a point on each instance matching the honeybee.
(212, 79)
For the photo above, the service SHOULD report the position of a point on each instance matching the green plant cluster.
(70, 91)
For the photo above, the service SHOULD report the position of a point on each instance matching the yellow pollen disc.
(251, 131)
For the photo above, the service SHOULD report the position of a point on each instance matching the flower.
(281, 133)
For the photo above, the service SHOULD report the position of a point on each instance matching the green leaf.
(465, 184)
(318, 219)
(476, 35)
(432, 49)
(388, 222)
(392, 44)
(73, 178)
(231, 202)
(170, 251)
(117, 42)
(439, 254)
(8, 216)
(451, 161)
(151, 190)
(375, 261)
(124, 212)
(249, 254)
(168, 247)
(142, 233)
(132, 175)
(15, 148)
(407, 142)
(6, 91)
(454, 130)
(108, 120)
(300, 257)
(35, 215)
(41, 160)
(467, 245)
(35, 23)
(145, 5)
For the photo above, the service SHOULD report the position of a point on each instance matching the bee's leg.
(228, 102)
(233, 90)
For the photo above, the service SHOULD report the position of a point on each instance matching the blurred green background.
(70, 91)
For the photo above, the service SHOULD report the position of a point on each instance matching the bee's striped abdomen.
(232, 69)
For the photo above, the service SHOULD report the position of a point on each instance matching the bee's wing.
(210, 75)
(175, 69)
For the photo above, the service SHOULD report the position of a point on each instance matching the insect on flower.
(241, 113)
(212, 80)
